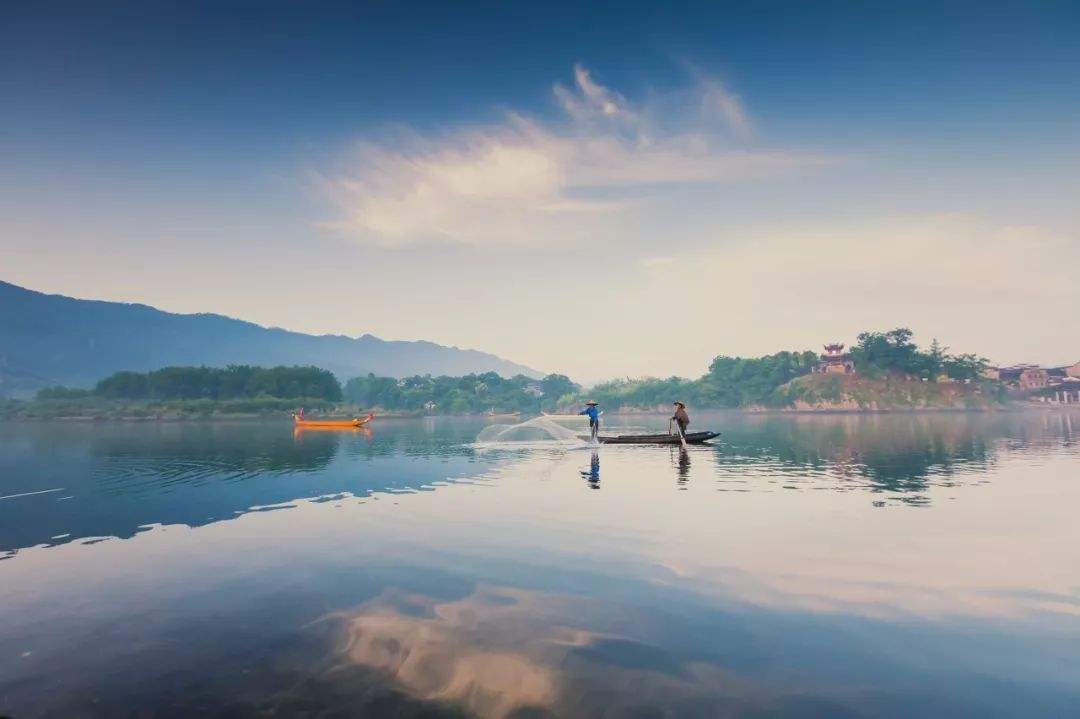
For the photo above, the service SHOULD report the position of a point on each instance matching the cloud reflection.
(505, 652)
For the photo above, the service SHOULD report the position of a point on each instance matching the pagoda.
(835, 361)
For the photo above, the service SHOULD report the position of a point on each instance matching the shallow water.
(832, 566)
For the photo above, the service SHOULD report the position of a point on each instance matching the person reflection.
(592, 474)
(682, 468)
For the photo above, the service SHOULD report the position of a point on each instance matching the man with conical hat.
(594, 418)
(681, 417)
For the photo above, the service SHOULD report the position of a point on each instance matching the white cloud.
(525, 181)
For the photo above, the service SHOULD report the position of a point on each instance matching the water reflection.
(405, 574)
(83, 482)
(86, 482)
(682, 466)
(504, 652)
(592, 474)
(900, 454)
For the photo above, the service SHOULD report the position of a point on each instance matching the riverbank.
(89, 409)
(95, 409)
(808, 395)
(851, 393)
(829, 393)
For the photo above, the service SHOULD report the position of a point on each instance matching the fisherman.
(681, 417)
(594, 418)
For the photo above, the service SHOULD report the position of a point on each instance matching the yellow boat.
(300, 421)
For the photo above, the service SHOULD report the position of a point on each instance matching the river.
(801, 566)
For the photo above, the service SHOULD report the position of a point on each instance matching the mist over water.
(896, 566)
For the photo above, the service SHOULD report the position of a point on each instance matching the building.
(835, 361)
(1034, 378)
(1024, 376)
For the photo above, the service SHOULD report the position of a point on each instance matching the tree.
(935, 361)
(891, 352)
(556, 386)
(61, 392)
(965, 366)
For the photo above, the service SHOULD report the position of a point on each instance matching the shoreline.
(1012, 408)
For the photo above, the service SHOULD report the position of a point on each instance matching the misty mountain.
(52, 339)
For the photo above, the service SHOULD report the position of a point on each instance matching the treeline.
(730, 382)
(470, 393)
(741, 381)
(234, 382)
(878, 354)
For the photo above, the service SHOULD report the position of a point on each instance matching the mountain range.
(52, 339)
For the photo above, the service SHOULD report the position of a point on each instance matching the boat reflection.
(682, 467)
(299, 432)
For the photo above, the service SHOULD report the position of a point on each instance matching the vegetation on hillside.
(890, 392)
(733, 382)
(880, 354)
(730, 382)
(460, 395)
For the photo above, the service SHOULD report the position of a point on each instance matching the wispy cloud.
(526, 181)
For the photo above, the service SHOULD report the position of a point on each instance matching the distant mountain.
(52, 339)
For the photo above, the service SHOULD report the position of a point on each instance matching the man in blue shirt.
(594, 418)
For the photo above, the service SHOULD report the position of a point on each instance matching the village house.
(1024, 376)
(1034, 378)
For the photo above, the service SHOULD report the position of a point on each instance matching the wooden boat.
(492, 414)
(691, 438)
(355, 422)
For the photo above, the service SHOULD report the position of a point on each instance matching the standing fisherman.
(681, 418)
(594, 418)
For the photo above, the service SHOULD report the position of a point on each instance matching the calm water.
(834, 566)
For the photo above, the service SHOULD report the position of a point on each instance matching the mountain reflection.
(117, 480)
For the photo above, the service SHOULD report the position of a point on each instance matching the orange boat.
(300, 421)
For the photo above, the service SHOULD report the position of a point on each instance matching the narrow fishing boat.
(300, 421)
(691, 438)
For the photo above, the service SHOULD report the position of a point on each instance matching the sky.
(601, 191)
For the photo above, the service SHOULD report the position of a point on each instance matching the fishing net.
(539, 429)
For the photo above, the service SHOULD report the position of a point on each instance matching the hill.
(823, 392)
(52, 339)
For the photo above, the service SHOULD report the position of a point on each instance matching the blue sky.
(511, 177)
